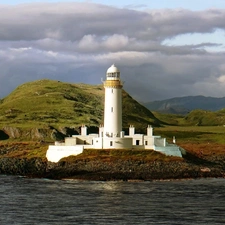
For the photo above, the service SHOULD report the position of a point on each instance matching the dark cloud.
(77, 42)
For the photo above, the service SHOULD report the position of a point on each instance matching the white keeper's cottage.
(111, 135)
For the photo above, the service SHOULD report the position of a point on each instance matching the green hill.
(194, 118)
(205, 118)
(47, 103)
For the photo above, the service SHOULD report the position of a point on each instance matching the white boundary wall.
(55, 153)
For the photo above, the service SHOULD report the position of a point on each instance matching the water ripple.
(41, 201)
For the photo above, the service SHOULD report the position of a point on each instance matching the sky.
(164, 49)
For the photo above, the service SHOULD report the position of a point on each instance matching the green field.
(194, 134)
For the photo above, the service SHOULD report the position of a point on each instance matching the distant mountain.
(184, 105)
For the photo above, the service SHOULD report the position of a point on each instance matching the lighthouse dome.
(113, 73)
(113, 69)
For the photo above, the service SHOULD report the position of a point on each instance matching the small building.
(111, 135)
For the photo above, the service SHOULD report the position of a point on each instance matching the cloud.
(135, 6)
(77, 42)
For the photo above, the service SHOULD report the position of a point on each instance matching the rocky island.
(23, 159)
(26, 132)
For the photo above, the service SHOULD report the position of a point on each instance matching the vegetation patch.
(23, 149)
(193, 134)
(118, 154)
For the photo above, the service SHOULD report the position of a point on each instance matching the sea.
(64, 202)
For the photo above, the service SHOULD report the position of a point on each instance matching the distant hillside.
(205, 118)
(196, 117)
(184, 105)
(52, 104)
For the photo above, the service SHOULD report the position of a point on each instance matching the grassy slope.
(193, 134)
(170, 119)
(54, 103)
(194, 118)
(51, 102)
(48, 102)
(206, 118)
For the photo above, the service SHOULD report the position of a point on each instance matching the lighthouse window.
(112, 90)
(111, 109)
(111, 143)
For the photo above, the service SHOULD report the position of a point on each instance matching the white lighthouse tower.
(113, 103)
(110, 135)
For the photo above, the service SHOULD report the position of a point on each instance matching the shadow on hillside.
(3, 135)
(198, 160)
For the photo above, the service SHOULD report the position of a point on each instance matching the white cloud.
(88, 43)
(221, 79)
(77, 42)
(116, 42)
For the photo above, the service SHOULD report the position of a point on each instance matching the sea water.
(59, 202)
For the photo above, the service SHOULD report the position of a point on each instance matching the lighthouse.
(111, 135)
(113, 103)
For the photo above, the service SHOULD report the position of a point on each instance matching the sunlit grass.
(194, 134)
(28, 149)
(126, 154)
(52, 103)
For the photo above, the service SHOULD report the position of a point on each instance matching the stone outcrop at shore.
(114, 169)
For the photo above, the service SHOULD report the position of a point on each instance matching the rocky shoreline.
(117, 169)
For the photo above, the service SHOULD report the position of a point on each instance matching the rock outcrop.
(34, 167)
(98, 169)
(12, 132)
(38, 134)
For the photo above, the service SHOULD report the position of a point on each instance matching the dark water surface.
(41, 201)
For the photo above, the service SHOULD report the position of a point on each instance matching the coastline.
(28, 159)
(108, 169)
